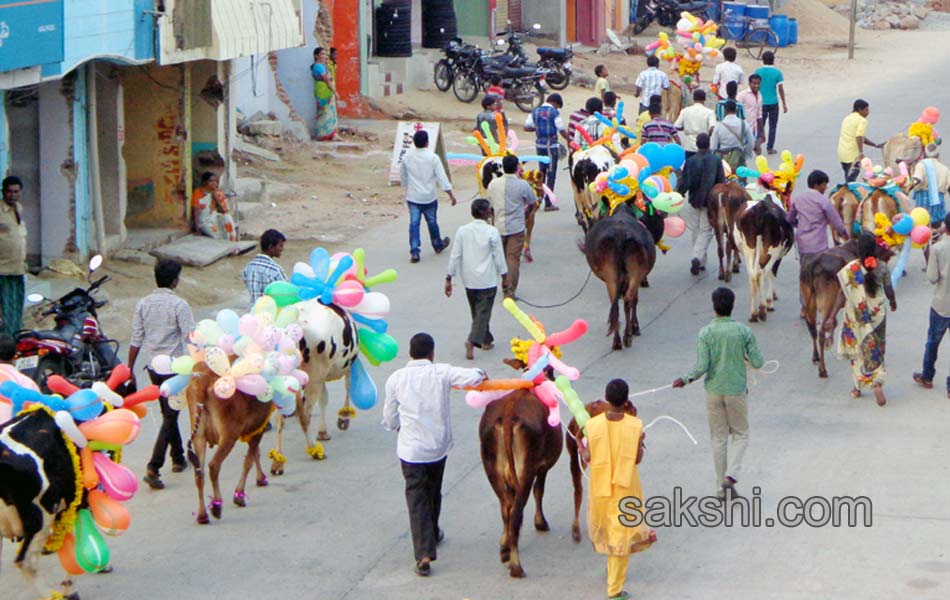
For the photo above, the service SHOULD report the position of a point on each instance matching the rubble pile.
(881, 16)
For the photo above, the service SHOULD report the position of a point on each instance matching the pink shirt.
(753, 107)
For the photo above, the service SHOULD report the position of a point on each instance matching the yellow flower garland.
(347, 412)
(276, 456)
(66, 520)
(316, 451)
(259, 430)
(882, 230)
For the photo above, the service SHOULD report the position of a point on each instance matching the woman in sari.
(210, 208)
(614, 449)
(324, 89)
(866, 284)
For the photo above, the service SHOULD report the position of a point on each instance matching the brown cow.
(846, 202)
(621, 252)
(221, 423)
(518, 450)
(571, 438)
(821, 294)
(727, 201)
(764, 236)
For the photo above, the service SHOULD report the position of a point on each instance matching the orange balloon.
(67, 556)
(140, 410)
(110, 515)
(90, 479)
(146, 394)
(799, 162)
(119, 426)
(641, 160)
(502, 384)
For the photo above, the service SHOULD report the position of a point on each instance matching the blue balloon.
(362, 388)
(619, 188)
(604, 119)
(673, 180)
(649, 191)
(746, 172)
(903, 226)
(285, 403)
(644, 173)
(320, 263)
(653, 152)
(622, 129)
(901, 265)
(378, 325)
(175, 385)
(618, 173)
(227, 319)
(18, 396)
(84, 405)
(673, 156)
(539, 366)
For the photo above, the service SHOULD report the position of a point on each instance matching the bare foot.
(469, 351)
(879, 395)
(855, 393)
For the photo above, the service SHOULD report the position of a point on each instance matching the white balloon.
(107, 395)
(305, 270)
(67, 424)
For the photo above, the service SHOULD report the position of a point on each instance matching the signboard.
(403, 142)
(31, 33)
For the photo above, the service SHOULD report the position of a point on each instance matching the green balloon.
(573, 401)
(283, 292)
(92, 552)
(378, 347)
(387, 276)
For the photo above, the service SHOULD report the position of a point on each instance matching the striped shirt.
(651, 82)
(161, 323)
(260, 273)
(658, 130)
(576, 119)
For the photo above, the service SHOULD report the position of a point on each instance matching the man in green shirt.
(772, 88)
(722, 349)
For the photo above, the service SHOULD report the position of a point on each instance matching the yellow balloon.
(265, 305)
(920, 216)
(761, 163)
(786, 156)
(524, 319)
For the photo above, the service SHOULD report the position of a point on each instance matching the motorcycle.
(523, 86)
(76, 349)
(556, 60)
(458, 55)
(666, 13)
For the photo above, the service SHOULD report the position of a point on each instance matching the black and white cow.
(585, 166)
(37, 482)
(330, 346)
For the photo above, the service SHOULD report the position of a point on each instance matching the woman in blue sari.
(324, 91)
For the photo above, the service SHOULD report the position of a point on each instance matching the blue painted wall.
(31, 33)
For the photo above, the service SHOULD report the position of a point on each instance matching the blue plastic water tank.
(779, 24)
(793, 31)
(733, 20)
(760, 13)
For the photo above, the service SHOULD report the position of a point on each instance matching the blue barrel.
(760, 13)
(733, 20)
(712, 11)
(793, 31)
(779, 24)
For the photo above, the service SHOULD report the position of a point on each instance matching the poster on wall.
(31, 33)
(403, 142)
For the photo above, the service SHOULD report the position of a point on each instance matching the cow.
(37, 483)
(518, 449)
(821, 295)
(621, 252)
(880, 201)
(571, 439)
(330, 346)
(902, 148)
(585, 166)
(222, 423)
(846, 202)
(726, 201)
(763, 235)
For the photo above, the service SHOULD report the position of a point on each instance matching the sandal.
(621, 596)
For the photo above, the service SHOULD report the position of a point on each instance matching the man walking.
(263, 269)
(722, 349)
(938, 273)
(417, 406)
(727, 71)
(732, 139)
(695, 119)
(12, 257)
(421, 171)
(658, 130)
(852, 139)
(479, 257)
(161, 324)
(701, 172)
(545, 121)
(927, 172)
(751, 101)
(732, 93)
(651, 82)
(773, 88)
(511, 199)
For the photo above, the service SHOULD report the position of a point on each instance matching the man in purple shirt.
(811, 215)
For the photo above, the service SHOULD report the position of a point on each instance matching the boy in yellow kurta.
(615, 448)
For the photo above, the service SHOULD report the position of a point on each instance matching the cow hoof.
(505, 555)
(240, 499)
(763, 316)
(617, 345)
(815, 360)
(276, 471)
(73, 596)
(203, 519)
(735, 268)
(627, 340)
(516, 571)
(542, 526)
(215, 509)
(754, 318)
(722, 276)
(262, 482)
(576, 535)
(323, 436)
(645, 283)
(342, 424)
(823, 374)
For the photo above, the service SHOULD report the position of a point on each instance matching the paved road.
(339, 530)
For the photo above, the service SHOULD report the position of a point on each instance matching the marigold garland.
(883, 231)
(316, 451)
(248, 437)
(347, 412)
(276, 456)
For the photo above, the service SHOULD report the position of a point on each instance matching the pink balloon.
(226, 343)
(549, 395)
(570, 372)
(286, 344)
(767, 178)
(348, 294)
(301, 376)
(572, 333)
(247, 325)
(673, 227)
(336, 258)
(224, 387)
(483, 399)
(118, 481)
(252, 385)
(920, 234)
(294, 331)
(6, 410)
(286, 364)
(268, 338)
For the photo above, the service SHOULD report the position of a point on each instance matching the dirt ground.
(323, 194)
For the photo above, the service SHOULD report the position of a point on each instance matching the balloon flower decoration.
(538, 354)
(697, 40)
(612, 126)
(907, 230)
(781, 181)
(923, 127)
(95, 424)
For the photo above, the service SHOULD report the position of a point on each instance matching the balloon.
(252, 385)
(295, 332)
(301, 377)
(387, 276)
(183, 365)
(538, 367)
(494, 385)
(217, 361)
(573, 401)
(674, 227)
(761, 163)
(108, 514)
(786, 156)
(673, 155)
(653, 153)
(120, 374)
(119, 426)
(747, 173)
(524, 319)
(377, 347)
(286, 316)
(799, 162)
(477, 399)
(248, 325)
(18, 396)
(304, 269)
(668, 202)
(117, 480)
(67, 425)
(224, 387)
(577, 329)
(283, 292)
(362, 388)
(67, 555)
(92, 553)
(903, 224)
(335, 262)
(920, 216)
(106, 394)
(84, 405)
(172, 387)
(209, 331)
(227, 320)
(10, 373)
(570, 372)
(265, 305)
(374, 305)
(6, 410)
(146, 394)
(226, 343)
(140, 410)
(767, 178)
(90, 479)
(920, 235)
(348, 294)
(549, 395)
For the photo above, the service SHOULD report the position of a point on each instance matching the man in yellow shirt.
(852, 139)
(12, 257)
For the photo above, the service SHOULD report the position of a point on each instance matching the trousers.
(168, 434)
(513, 245)
(481, 302)
(549, 171)
(430, 212)
(11, 303)
(424, 499)
(616, 574)
(697, 220)
(729, 430)
(935, 332)
(770, 118)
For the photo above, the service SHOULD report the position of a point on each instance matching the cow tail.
(508, 433)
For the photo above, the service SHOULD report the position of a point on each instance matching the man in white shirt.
(478, 256)
(420, 172)
(726, 71)
(694, 120)
(417, 406)
(651, 83)
(751, 100)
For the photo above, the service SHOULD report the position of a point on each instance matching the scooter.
(76, 349)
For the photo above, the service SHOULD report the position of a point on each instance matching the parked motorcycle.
(666, 13)
(76, 348)
(458, 56)
(556, 60)
(523, 86)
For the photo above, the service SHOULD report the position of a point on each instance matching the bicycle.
(758, 38)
